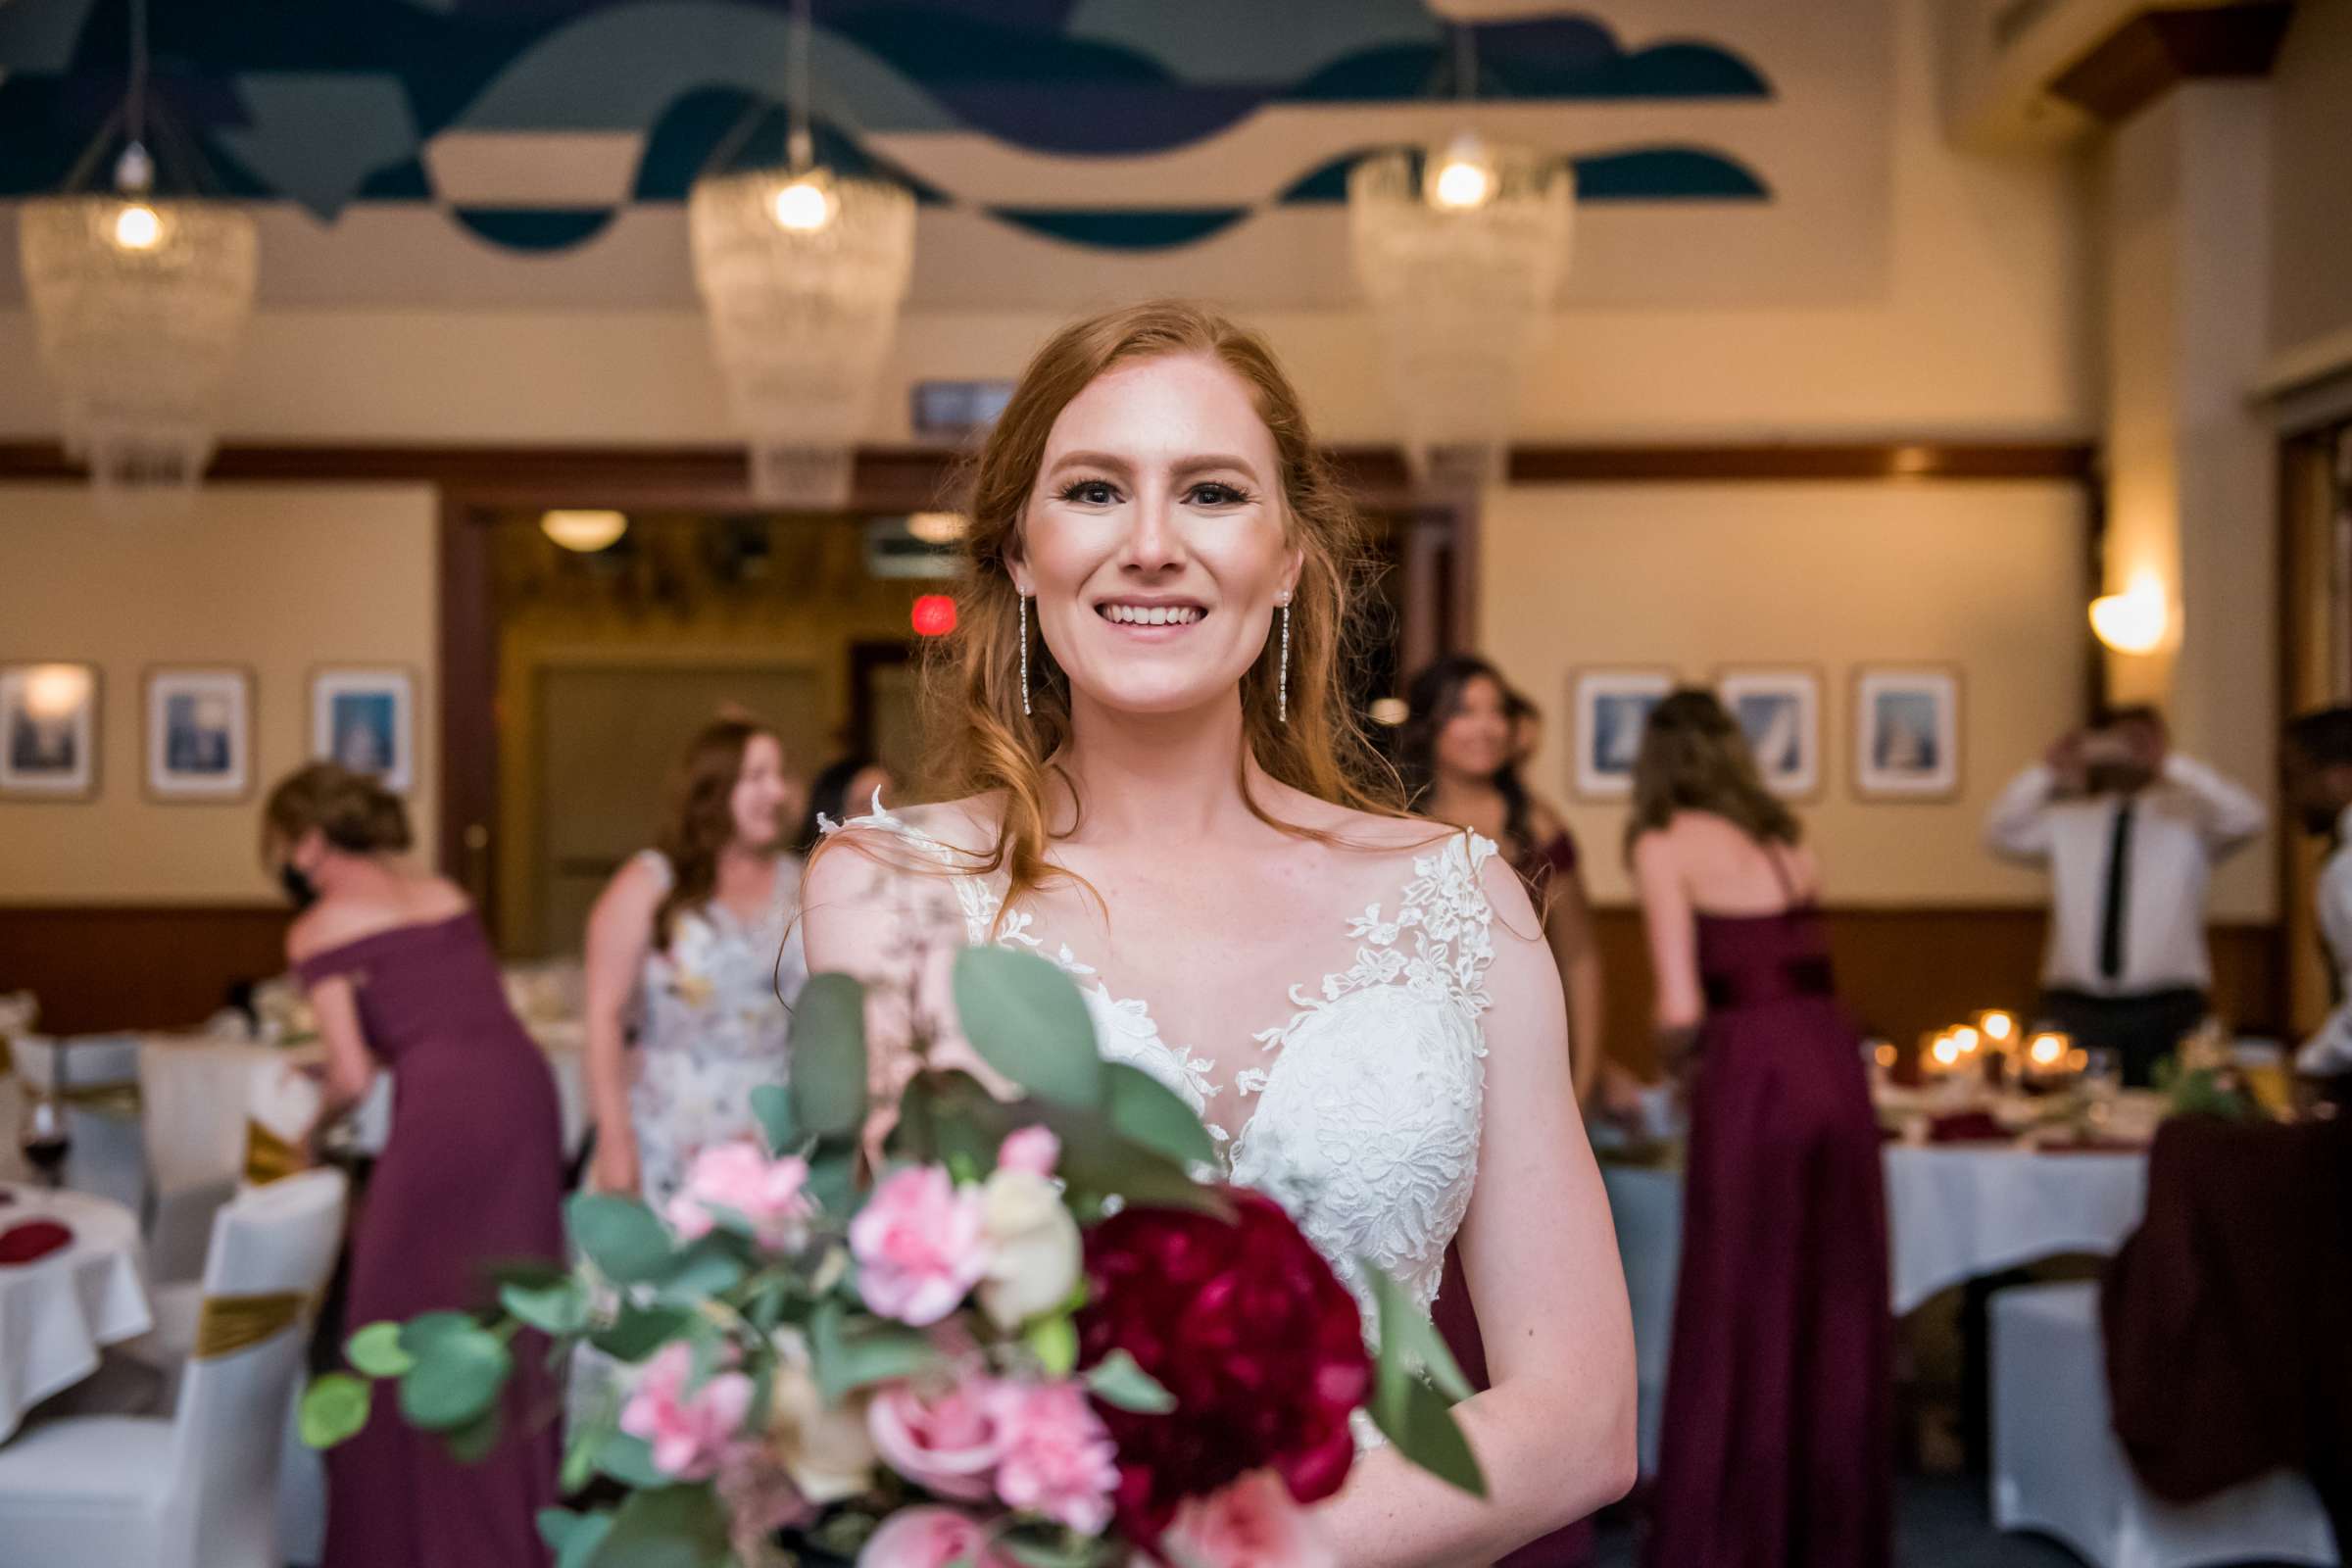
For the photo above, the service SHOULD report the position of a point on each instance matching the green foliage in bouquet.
(780, 1305)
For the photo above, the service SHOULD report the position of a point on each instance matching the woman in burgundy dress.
(1459, 751)
(400, 974)
(1777, 1444)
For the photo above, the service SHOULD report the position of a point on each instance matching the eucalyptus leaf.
(639, 1331)
(560, 1309)
(418, 1335)
(455, 1378)
(827, 1091)
(1149, 1113)
(847, 1358)
(771, 1107)
(629, 1461)
(472, 1442)
(586, 1440)
(710, 1268)
(1028, 1021)
(376, 1351)
(1407, 1334)
(1419, 1421)
(833, 1177)
(334, 1407)
(621, 1236)
(1053, 1341)
(1118, 1380)
(573, 1536)
(668, 1526)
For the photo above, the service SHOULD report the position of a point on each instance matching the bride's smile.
(1155, 543)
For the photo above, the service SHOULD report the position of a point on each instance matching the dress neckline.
(403, 929)
(1377, 964)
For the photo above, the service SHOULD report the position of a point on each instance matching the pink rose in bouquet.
(690, 1431)
(1254, 1523)
(930, 1537)
(920, 1245)
(945, 1438)
(771, 1194)
(1059, 1457)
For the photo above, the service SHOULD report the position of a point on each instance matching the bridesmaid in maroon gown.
(400, 973)
(1459, 751)
(1776, 1443)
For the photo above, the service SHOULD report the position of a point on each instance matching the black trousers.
(2141, 1030)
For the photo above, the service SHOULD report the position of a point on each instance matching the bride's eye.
(1217, 493)
(1090, 492)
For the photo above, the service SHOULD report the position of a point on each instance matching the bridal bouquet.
(1032, 1338)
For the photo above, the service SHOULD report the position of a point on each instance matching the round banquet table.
(1960, 1211)
(58, 1311)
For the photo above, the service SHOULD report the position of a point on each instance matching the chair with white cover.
(193, 1095)
(197, 1491)
(2058, 1469)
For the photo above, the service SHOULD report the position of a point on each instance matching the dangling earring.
(1282, 686)
(1024, 598)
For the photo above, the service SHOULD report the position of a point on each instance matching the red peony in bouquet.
(1035, 1338)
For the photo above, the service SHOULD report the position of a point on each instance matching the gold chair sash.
(108, 1100)
(227, 1324)
(270, 1158)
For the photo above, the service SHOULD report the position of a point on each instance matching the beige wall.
(1989, 576)
(277, 579)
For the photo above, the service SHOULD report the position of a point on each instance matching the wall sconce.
(2136, 620)
(586, 532)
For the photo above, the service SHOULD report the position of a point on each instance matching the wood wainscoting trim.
(98, 967)
(1904, 970)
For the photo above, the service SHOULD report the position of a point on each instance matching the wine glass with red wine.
(45, 1138)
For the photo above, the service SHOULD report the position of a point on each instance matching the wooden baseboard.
(136, 966)
(1904, 970)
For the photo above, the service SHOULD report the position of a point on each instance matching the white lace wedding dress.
(1367, 1110)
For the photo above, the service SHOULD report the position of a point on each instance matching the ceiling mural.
(1053, 144)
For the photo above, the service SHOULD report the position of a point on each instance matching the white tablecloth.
(1959, 1212)
(56, 1312)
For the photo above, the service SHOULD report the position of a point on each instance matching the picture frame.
(49, 730)
(1779, 709)
(199, 729)
(1608, 709)
(366, 718)
(1907, 732)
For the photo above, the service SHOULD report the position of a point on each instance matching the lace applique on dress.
(1125, 1029)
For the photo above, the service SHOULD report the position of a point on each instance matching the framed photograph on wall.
(48, 731)
(1779, 711)
(199, 734)
(1907, 733)
(366, 720)
(1608, 709)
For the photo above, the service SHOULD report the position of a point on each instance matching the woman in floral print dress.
(696, 940)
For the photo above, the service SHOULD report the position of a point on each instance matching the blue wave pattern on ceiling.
(326, 104)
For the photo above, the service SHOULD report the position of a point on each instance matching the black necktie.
(2119, 890)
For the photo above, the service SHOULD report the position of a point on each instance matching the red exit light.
(934, 616)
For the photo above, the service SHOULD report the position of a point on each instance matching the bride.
(1163, 789)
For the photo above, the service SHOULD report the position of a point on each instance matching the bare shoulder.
(437, 897)
(331, 922)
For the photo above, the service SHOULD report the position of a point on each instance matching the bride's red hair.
(979, 739)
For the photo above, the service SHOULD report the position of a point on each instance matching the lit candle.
(1999, 1027)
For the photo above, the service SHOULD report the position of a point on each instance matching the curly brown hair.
(699, 820)
(1694, 757)
(351, 811)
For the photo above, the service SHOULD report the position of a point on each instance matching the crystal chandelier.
(803, 271)
(138, 305)
(1461, 249)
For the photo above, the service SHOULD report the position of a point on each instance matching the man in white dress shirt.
(2131, 832)
(2316, 769)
